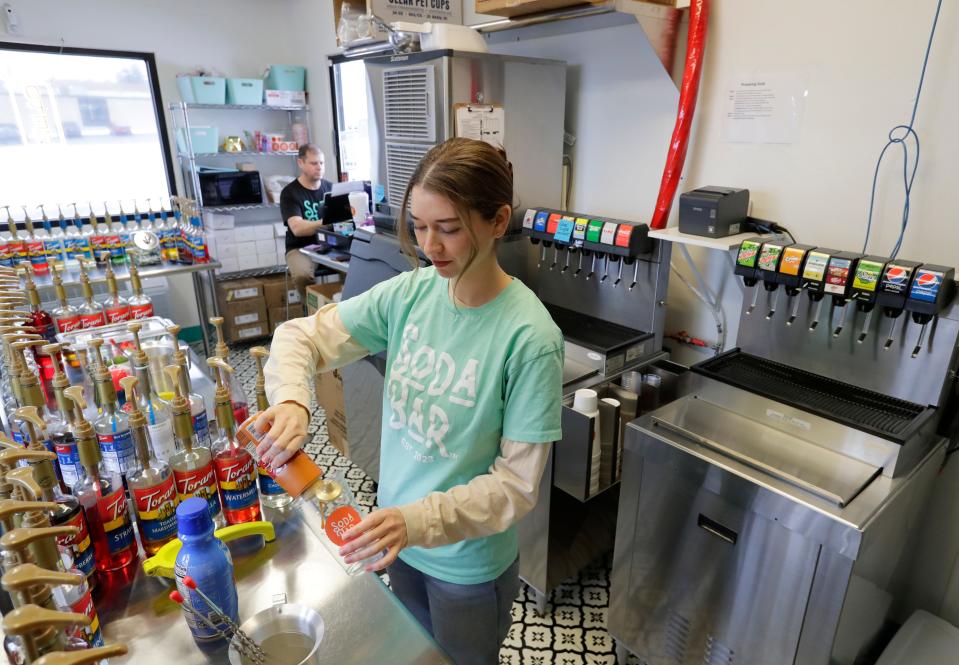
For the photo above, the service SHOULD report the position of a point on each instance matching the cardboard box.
(228, 265)
(224, 250)
(248, 261)
(278, 316)
(285, 98)
(214, 221)
(244, 312)
(318, 295)
(225, 236)
(238, 289)
(293, 297)
(274, 290)
(263, 231)
(243, 333)
(280, 244)
(279, 230)
(329, 396)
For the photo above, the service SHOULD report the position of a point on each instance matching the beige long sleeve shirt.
(488, 504)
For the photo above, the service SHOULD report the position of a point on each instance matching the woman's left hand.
(383, 529)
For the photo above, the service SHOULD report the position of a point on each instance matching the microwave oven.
(230, 188)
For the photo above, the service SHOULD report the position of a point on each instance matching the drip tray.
(814, 469)
(887, 417)
(604, 346)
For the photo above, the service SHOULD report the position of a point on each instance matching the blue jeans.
(470, 621)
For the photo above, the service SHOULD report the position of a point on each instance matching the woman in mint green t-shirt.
(473, 391)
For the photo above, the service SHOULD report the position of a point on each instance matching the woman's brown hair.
(473, 175)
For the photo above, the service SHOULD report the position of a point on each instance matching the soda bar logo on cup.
(339, 522)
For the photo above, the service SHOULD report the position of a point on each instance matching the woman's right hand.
(285, 427)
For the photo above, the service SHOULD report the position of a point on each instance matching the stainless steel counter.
(364, 622)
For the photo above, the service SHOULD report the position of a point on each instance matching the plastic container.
(185, 85)
(244, 91)
(286, 77)
(205, 139)
(208, 89)
(207, 560)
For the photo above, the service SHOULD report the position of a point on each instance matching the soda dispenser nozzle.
(932, 289)
(260, 354)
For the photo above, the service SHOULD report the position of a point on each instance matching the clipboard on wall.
(483, 122)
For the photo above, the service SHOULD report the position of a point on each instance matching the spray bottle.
(151, 482)
(101, 494)
(192, 464)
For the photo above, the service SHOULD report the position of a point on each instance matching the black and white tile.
(572, 631)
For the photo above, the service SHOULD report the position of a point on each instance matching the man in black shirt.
(301, 204)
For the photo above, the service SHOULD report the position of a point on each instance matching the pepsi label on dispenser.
(894, 284)
(932, 289)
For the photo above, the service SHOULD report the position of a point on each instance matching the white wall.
(238, 37)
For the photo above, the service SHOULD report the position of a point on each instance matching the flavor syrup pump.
(85, 657)
(767, 269)
(814, 280)
(747, 259)
(839, 278)
(39, 630)
(241, 405)
(790, 275)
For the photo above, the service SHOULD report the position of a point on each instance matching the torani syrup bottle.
(235, 466)
(192, 463)
(102, 496)
(151, 482)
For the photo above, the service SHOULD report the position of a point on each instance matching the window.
(78, 125)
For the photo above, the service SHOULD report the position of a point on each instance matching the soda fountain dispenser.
(814, 279)
(767, 269)
(747, 259)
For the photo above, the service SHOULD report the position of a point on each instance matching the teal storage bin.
(209, 89)
(185, 86)
(286, 77)
(205, 139)
(244, 91)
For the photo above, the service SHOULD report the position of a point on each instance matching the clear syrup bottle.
(141, 306)
(192, 464)
(155, 409)
(201, 422)
(91, 312)
(112, 426)
(241, 404)
(66, 317)
(115, 307)
(151, 482)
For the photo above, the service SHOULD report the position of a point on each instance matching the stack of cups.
(586, 401)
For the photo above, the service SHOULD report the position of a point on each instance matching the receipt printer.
(714, 212)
